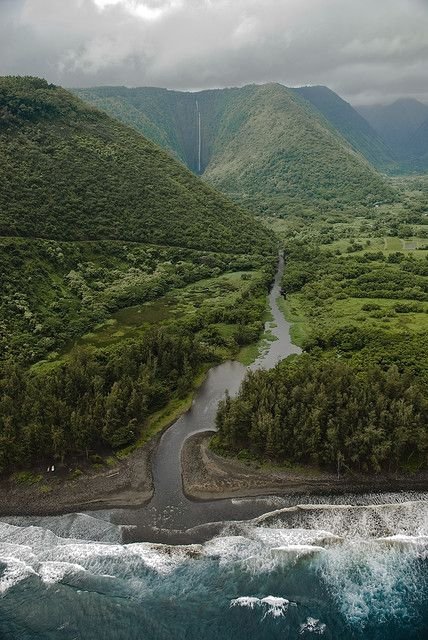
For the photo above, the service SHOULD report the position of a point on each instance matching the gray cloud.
(366, 51)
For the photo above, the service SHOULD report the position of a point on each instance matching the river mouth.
(348, 567)
(337, 571)
(170, 513)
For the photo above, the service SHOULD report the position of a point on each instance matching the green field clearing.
(178, 305)
(343, 313)
(339, 295)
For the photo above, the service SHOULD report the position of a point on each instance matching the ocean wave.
(356, 558)
(55, 571)
(372, 582)
(352, 521)
(274, 606)
(14, 572)
(312, 625)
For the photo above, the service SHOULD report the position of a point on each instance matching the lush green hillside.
(402, 125)
(353, 127)
(123, 276)
(70, 172)
(356, 294)
(263, 145)
(275, 152)
(80, 194)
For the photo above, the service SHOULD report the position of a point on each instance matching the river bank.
(127, 484)
(122, 481)
(208, 476)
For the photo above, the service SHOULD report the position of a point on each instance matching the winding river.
(170, 513)
(348, 568)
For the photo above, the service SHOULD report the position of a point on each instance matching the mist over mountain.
(398, 125)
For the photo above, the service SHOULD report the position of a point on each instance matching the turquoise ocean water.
(324, 571)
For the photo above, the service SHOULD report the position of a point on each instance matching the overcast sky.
(366, 50)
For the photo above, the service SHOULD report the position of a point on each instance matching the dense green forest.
(122, 277)
(70, 172)
(264, 146)
(99, 396)
(355, 289)
(328, 413)
(352, 126)
(53, 292)
(97, 400)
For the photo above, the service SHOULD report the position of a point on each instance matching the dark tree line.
(328, 413)
(96, 400)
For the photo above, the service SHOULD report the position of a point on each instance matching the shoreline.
(127, 484)
(207, 476)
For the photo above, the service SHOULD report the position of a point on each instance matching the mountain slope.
(274, 151)
(398, 124)
(169, 118)
(264, 145)
(419, 146)
(73, 173)
(353, 127)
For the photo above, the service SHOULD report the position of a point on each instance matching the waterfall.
(199, 137)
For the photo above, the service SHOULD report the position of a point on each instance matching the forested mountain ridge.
(97, 226)
(277, 154)
(70, 172)
(353, 126)
(402, 125)
(263, 145)
(95, 218)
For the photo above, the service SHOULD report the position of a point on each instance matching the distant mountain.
(264, 146)
(71, 172)
(398, 124)
(353, 127)
(419, 146)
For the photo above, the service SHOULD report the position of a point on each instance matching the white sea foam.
(230, 548)
(369, 580)
(275, 607)
(369, 521)
(402, 540)
(15, 571)
(80, 526)
(281, 536)
(271, 605)
(297, 551)
(312, 625)
(249, 602)
(164, 558)
(53, 572)
(363, 554)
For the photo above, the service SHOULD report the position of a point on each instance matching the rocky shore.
(207, 476)
(126, 484)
